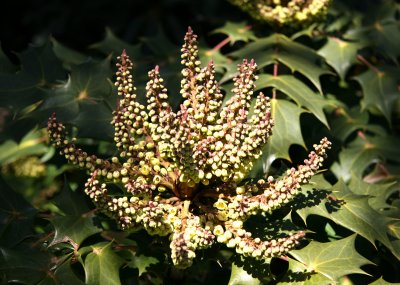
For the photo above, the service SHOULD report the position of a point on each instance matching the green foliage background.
(337, 78)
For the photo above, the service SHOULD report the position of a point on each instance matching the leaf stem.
(368, 64)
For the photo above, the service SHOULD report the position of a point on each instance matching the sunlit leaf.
(332, 259)
(102, 265)
(240, 277)
(236, 32)
(297, 91)
(287, 129)
(297, 57)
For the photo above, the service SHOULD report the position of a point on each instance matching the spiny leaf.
(340, 54)
(68, 56)
(87, 88)
(380, 281)
(73, 229)
(299, 275)
(65, 275)
(297, 57)
(39, 68)
(363, 151)
(141, 262)
(346, 121)
(112, 44)
(332, 259)
(378, 192)
(286, 131)
(102, 265)
(23, 265)
(240, 277)
(236, 31)
(16, 216)
(297, 91)
(380, 88)
(71, 202)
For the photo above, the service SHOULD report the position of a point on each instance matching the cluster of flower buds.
(182, 172)
(30, 166)
(279, 12)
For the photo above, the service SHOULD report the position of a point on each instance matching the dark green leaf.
(39, 68)
(286, 131)
(380, 89)
(71, 202)
(68, 56)
(113, 45)
(297, 57)
(26, 265)
(297, 91)
(65, 275)
(340, 54)
(74, 229)
(16, 216)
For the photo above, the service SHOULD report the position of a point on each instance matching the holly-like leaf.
(364, 151)
(298, 274)
(380, 281)
(71, 202)
(74, 229)
(239, 276)
(380, 89)
(347, 121)
(111, 44)
(378, 192)
(102, 265)
(23, 265)
(87, 89)
(286, 131)
(39, 68)
(297, 57)
(332, 259)
(16, 216)
(68, 56)
(141, 262)
(340, 54)
(65, 275)
(236, 32)
(297, 91)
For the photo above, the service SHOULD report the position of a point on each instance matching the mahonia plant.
(182, 173)
(284, 12)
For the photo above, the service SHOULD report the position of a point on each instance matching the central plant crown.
(181, 172)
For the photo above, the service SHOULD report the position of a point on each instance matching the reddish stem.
(367, 63)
